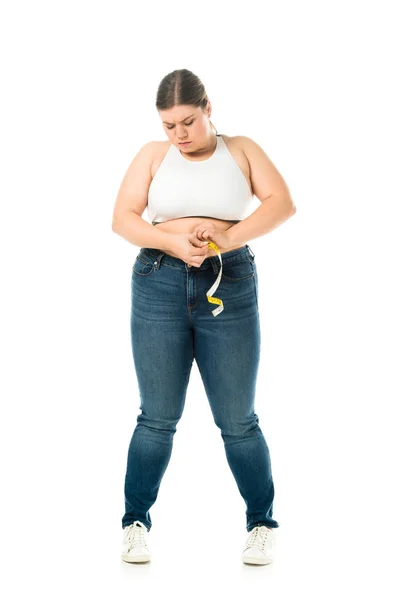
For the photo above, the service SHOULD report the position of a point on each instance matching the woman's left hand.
(214, 234)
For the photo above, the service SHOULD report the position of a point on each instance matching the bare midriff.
(189, 224)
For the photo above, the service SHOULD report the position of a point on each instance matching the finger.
(197, 243)
(196, 258)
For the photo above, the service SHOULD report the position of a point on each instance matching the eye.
(185, 124)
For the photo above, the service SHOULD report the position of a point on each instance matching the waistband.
(155, 255)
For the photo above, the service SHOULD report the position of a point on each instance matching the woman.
(197, 187)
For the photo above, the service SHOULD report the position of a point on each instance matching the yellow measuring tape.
(212, 289)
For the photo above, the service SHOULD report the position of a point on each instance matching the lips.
(184, 143)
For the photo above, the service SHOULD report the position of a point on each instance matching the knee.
(157, 424)
(237, 427)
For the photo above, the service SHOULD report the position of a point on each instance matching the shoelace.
(135, 536)
(258, 537)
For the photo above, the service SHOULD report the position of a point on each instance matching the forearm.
(271, 213)
(139, 232)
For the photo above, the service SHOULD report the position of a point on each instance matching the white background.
(316, 85)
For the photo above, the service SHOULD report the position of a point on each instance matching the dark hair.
(181, 87)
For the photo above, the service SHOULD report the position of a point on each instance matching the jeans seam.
(255, 290)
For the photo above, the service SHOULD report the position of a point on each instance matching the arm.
(137, 231)
(131, 202)
(270, 188)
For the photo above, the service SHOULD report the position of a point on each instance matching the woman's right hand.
(188, 248)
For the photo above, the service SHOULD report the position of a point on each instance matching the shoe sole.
(257, 561)
(132, 559)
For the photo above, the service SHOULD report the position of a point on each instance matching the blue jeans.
(172, 324)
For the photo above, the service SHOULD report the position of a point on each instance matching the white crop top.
(214, 188)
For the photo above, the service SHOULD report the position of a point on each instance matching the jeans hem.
(145, 524)
(259, 524)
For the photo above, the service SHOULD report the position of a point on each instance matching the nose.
(181, 134)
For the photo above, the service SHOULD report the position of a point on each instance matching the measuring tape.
(212, 289)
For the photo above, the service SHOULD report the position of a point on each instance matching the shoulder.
(236, 144)
(255, 154)
(154, 147)
(246, 146)
(158, 148)
(154, 153)
(266, 178)
(150, 149)
(249, 146)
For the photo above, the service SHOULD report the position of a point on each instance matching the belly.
(189, 224)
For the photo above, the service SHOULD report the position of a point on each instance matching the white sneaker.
(260, 546)
(135, 546)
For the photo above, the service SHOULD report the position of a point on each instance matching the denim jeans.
(172, 324)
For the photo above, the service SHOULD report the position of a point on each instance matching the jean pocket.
(143, 266)
(237, 270)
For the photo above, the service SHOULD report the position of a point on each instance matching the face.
(187, 123)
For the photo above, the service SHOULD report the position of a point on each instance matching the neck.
(209, 148)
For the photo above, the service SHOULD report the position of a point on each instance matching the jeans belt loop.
(213, 260)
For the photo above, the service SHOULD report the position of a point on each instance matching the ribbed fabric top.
(212, 188)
